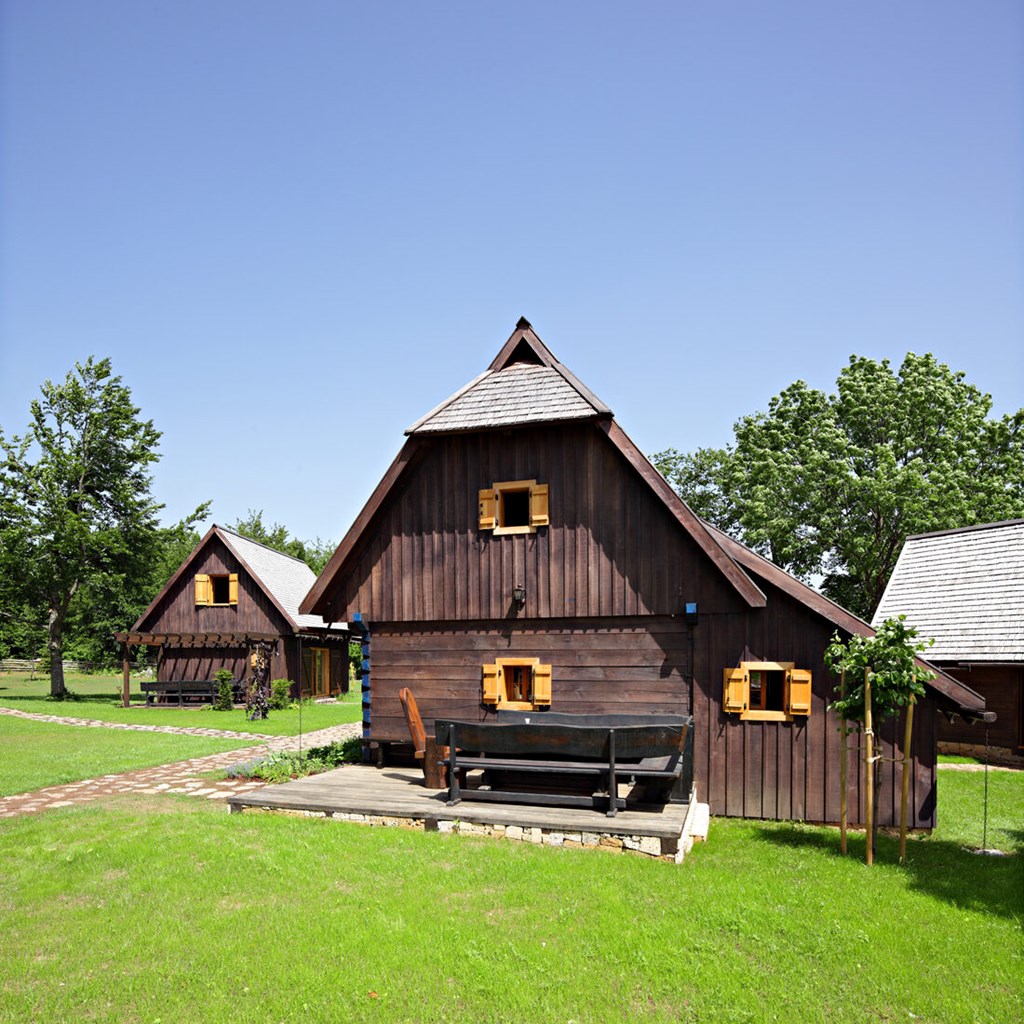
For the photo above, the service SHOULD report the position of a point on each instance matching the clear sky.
(296, 227)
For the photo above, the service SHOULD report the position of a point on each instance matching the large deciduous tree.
(829, 486)
(76, 512)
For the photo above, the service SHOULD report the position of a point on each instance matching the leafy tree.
(76, 514)
(830, 486)
(315, 553)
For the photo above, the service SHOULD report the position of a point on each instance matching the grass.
(100, 698)
(37, 754)
(165, 909)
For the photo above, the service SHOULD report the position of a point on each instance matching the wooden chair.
(425, 748)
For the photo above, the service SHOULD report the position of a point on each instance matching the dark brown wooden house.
(229, 594)
(964, 589)
(522, 552)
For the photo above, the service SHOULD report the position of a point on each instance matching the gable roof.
(962, 695)
(524, 384)
(965, 588)
(524, 348)
(283, 578)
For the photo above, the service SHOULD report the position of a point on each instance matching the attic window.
(766, 691)
(517, 684)
(515, 506)
(216, 589)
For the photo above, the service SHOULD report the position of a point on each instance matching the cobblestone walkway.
(180, 777)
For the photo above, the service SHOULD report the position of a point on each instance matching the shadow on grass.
(937, 867)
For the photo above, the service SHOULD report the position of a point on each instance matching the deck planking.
(399, 793)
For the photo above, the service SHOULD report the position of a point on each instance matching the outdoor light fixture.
(690, 611)
(519, 595)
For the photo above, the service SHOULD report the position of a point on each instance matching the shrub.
(282, 767)
(225, 700)
(280, 694)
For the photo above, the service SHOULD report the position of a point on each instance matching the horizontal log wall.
(1002, 686)
(612, 548)
(626, 666)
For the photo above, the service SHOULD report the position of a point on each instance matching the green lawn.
(165, 909)
(37, 754)
(100, 698)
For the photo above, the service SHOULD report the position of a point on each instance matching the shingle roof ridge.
(977, 527)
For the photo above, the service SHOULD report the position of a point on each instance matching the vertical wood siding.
(612, 549)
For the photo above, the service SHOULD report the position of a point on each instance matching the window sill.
(765, 716)
(499, 531)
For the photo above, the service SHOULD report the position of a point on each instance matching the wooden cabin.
(521, 552)
(230, 594)
(964, 589)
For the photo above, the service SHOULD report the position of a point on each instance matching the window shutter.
(798, 692)
(736, 690)
(204, 589)
(233, 588)
(490, 684)
(542, 685)
(488, 509)
(539, 505)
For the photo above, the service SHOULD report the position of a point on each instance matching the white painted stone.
(514, 832)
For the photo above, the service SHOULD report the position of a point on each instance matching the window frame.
(492, 503)
(204, 589)
(540, 684)
(796, 703)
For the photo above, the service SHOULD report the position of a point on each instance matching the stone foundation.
(672, 849)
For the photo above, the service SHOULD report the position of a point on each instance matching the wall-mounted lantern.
(519, 595)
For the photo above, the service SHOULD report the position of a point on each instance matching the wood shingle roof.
(965, 589)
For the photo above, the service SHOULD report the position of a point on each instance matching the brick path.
(179, 777)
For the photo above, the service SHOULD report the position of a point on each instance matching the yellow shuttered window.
(513, 506)
(735, 690)
(233, 588)
(798, 687)
(204, 590)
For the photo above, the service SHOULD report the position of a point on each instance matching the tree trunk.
(55, 643)
(869, 769)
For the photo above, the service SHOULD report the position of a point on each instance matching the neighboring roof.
(963, 696)
(284, 579)
(524, 384)
(964, 588)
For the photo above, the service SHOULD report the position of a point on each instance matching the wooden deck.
(399, 793)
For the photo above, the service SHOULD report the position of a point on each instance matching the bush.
(225, 690)
(280, 694)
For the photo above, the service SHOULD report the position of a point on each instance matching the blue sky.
(295, 228)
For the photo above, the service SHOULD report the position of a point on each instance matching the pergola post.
(126, 678)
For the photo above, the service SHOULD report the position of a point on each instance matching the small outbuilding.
(230, 595)
(522, 553)
(964, 589)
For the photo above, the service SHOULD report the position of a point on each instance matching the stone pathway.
(179, 777)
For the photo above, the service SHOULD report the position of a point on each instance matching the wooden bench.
(654, 749)
(204, 690)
